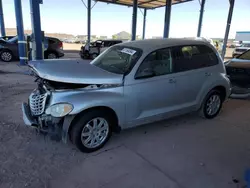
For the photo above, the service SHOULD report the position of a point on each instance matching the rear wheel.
(91, 131)
(6, 56)
(94, 55)
(50, 55)
(212, 104)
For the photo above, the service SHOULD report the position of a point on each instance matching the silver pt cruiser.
(129, 84)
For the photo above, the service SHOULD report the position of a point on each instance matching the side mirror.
(145, 73)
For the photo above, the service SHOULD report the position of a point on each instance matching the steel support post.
(167, 18)
(22, 43)
(2, 27)
(134, 19)
(36, 28)
(144, 23)
(229, 19)
(201, 17)
(89, 21)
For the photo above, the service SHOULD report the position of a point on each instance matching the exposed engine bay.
(53, 85)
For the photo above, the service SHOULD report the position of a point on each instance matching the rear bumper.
(60, 53)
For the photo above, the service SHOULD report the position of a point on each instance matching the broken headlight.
(59, 110)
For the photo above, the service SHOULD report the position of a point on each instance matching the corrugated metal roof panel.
(148, 4)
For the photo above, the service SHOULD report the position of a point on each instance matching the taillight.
(60, 44)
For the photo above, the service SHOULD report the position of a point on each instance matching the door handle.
(172, 81)
(207, 74)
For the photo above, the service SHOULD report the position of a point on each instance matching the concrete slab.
(196, 153)
(143, 177)
(112, 168)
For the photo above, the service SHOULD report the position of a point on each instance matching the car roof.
(52, 38)
(153, 44)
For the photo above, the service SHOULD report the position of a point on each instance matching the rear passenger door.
(193, 66)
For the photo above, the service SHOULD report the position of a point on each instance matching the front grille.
(37, 103)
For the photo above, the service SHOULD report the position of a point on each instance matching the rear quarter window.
(52, 41)
(193, 57)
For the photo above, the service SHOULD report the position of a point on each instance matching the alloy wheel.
(6, 56)
(95, 132)
(213, 104)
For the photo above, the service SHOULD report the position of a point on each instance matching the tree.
(114, 36)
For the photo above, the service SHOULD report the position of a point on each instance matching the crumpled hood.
(73, 71)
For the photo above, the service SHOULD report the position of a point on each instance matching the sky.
(70, 16)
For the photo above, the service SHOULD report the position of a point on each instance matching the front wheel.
(91, 131)
(212, 104)
(6, 56)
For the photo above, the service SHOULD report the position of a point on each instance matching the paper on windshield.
(128, 51)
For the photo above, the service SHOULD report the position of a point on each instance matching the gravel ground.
(26, 160)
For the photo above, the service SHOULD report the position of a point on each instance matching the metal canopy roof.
(148, 4)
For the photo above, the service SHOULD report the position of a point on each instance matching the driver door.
(149, 95)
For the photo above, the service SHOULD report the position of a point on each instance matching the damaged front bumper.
(27, 117)
(56, 127)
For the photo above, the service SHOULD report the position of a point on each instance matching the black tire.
(51, 55)
(94, 55)
(6, 56)
(204, 111)
(81, 123)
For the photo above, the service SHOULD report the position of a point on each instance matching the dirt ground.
(184, 152)
(71, 46)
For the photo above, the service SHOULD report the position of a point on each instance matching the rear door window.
(245, 56)
(191, 57)
(109, 43)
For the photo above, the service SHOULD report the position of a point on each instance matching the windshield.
(118, 59)
(245, 45)
(245, 55)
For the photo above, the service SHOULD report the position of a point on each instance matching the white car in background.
(96, 48)
(240, 50)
